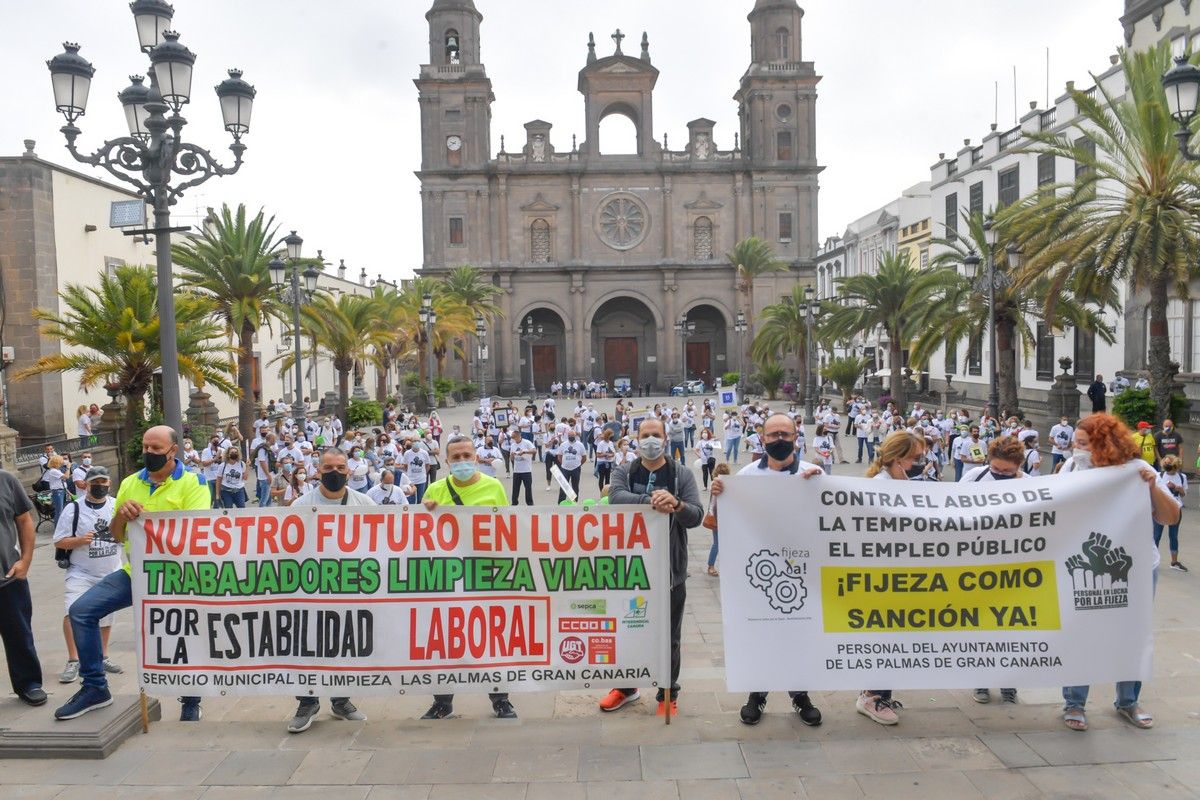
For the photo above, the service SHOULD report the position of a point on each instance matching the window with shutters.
(539, 242)
(1045, 169)
(1085, 353)
(783, 146)
(785, 226)
(976, 202)
(783, 49)
(702, 239)
(975, 356)
(1009, 187)
(1045, 352)
(456, 230)
(951, 358)
(951, 213)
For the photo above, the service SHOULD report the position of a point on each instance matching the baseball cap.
(1143, 425)
(95, 473)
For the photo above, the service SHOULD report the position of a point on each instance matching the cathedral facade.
(603, 254)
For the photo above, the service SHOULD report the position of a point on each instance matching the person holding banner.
(571, 456)
(668, 488)
(162, 485)
(1102, 440)
(465, 486)
(778, 460)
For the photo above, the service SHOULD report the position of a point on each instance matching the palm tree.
(897, 297)
(844, 372)
(750, 258)
(227, 263)
(466, 286)
(347, 330)
(398, 321)
(1131, 214)
(962, 312)
(783, 332)
(112, 333)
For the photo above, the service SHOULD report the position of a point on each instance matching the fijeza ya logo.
(779, 579)
(1100, 574)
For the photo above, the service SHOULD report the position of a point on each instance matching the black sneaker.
(33, 696)
(190, 712)
(809, 714)
(305, 713)
(753, 710)
(1178, 565)
(504, 709)
(1008, 695)
(439, 710)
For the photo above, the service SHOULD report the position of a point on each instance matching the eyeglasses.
(779, 436)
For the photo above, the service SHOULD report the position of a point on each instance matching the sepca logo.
(599, 607)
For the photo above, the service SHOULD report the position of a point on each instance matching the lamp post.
(154, 150)
(685, 329)
(1182, 87)
(290, 279)
(810, 374)
(428, 317)
(987, 283)
(531, 333)
(739, 327)
(480, 335)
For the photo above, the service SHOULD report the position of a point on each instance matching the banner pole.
(145, 707)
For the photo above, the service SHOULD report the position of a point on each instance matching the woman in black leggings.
(706, 451)
(549, 457)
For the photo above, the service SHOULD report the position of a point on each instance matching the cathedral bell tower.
(454, 91)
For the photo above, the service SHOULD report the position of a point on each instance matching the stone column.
(576, 243)
(502, 222)
(668, 224)
(1064, 395)
(504, 364)
(579, 361)
(668, 356)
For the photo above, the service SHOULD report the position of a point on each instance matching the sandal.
(1136, 716)
(1075, 719)
(713, 571)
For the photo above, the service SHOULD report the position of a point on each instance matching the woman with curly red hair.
(1102, 440)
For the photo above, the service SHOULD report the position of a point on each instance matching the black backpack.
(41, 484)
(61, 555)
(270, 456)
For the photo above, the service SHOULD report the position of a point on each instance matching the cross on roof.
(617, 37)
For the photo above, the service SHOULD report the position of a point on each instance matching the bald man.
(162, 485)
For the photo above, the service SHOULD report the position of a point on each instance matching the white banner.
(388, 600)
(847, 583)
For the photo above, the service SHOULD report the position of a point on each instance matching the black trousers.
(16, 629)
(706, 469)
(572, 476)
(678, 597)
(449, 698)
(522, 479)
(603, 473)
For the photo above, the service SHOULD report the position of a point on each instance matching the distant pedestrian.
(1096, 393)
(16, 604)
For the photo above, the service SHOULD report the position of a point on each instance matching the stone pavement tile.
(1003, 784)
(728, 726)
(610, 763)
(628, 790)
(320, 792)
(1011, 750)
(711, 789)
(85, 792)
(693, 761)
(341, 767)
(1063, 748)
(1149, 782)
(255, 768)
(779, 789)
(622, 728)
(937, 785)
(556, 791)
(1186, 771)
(175, 768)
(878, 755)
(831, 787)
(957, 753)
(1077, 783)
(413, 733)
(477, 791)
(533, 763)
(476, 765)
(72, 771)
(47, 792)
(543, 731)
(389, 766)
(252, 708)
(785, 759)
(239, 793)
(407, 792)
(329, 734)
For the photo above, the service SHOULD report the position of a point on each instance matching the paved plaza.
(562, 747)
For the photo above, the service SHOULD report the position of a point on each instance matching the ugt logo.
(1100, 574)
(779, 579)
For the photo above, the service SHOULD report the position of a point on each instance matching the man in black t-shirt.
(16, 605)
(1168, 442)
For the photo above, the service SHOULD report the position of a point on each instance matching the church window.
(702, 239)
(456, 230)
(539, 242)
(785, 226)
(782, 45)
(783, 146)
(452, 51)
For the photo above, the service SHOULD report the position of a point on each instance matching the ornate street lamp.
(1182, 87)
(531, 333)
(428, 318)
(294, 294)
(810, 374)
(154, 151)
(685, 329)
(480, 348)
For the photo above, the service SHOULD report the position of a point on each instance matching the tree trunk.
(466, 362)
(344, 389)
(135, 412)
(1006, 365)
(802, 358)
(895, 361)
(422, 361)
(381, 379)
(1161, 372)
(245, 365)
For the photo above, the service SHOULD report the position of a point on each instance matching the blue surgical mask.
(463, 471)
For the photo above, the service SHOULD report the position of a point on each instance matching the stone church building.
(606, 252)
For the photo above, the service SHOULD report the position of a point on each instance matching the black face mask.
(99, 491)
(917, 469)
(997, 476)
(154, 461)
(334, 481)
(779, 449)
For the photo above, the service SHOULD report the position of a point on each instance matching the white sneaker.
(878, 709)
(70, 672)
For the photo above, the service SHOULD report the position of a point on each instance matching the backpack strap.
(75, 521)
(458, 501)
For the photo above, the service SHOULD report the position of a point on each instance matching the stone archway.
(624, 342)
(544, 358)
(707, 348)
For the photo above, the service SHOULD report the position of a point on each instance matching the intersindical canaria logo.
(779, 579)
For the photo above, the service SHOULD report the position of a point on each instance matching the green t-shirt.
(487, 491)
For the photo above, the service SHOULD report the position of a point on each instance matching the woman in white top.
(606, 454)
(894, 459)
(231, 480)
(706, 453)
(822, 446)
(359, 468)
(85, 425)
(1175, 482)
(55, 476)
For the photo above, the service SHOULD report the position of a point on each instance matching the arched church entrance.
(707, 345)
(544, 351)
(624, 342)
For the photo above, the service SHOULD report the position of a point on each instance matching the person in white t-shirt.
(606, 456)
(571, 456)
(56, 474)
(1060, 441)
(231, 480)
(85, 425)
(822, 447)
(521, 453)
(1174, 482)
(387, 492)
(83, 531)
(416, 467)
(486, 452)
(79, 474)
(733, 436)
(706, 453)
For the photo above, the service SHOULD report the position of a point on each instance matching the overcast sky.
(335, 136)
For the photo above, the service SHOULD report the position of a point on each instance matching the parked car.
(691, 387)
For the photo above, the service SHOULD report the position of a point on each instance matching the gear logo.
(779, 579)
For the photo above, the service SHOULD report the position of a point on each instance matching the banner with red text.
(338, 600)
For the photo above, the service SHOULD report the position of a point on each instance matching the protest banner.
(847, 583)
(389, 600)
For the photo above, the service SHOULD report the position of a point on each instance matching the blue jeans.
(107, 597)
(958, 469)
(712, 553)
(58, 498)
(264, 493)
(1055, 458)
(420, 491)
(689, 437)
(731, 448)
(1172, 536)
(870, 449)
(233, 498)
(677, 447)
